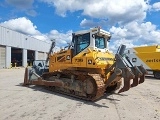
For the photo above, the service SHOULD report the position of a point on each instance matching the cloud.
(114, 11)
(117, 42)
(22, 25)
(88, 23)
(135, 34)
(22, 4)
(156, 6)
(91, 23)
(61, 38)
(31, 13)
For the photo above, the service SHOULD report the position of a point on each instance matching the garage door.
(41, 56)
(2, 56)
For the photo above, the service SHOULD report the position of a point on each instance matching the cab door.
(80, 42)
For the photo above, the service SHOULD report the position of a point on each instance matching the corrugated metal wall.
(2, 56)
(15, 39)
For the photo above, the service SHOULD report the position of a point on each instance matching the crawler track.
(86, 80)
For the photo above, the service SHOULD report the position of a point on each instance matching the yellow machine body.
(96, 60)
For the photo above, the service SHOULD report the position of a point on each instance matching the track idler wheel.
(90, 87)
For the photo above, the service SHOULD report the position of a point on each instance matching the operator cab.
(95, 39)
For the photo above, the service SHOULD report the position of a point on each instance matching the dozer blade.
(26, 77)
(32, 78)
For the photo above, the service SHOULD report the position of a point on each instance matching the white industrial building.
(19, 49)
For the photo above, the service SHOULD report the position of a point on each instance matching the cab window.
(100, 42)
(81, 42)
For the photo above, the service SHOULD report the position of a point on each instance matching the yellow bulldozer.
(86, 69)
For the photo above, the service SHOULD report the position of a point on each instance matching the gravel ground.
(36, 103)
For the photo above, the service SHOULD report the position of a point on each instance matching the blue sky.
(131, 22)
